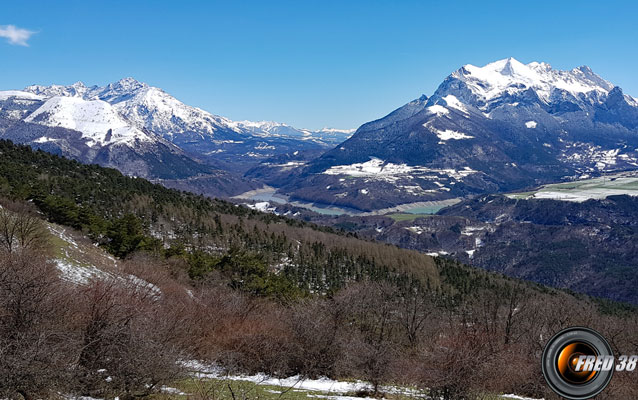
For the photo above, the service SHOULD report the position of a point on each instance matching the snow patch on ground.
(327, 388)
(84, 275)
(471, 230)
(79, 275)
(322, 384)
(531, 124)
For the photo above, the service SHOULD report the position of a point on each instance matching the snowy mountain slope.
(99, 123)
(204, 135)
(515, 125)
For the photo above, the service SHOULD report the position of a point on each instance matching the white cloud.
(15, 35)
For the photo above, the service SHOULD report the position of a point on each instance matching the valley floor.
(268, 196)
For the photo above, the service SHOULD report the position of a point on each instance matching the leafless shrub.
(129, 347)
(36, 348)
(315, 326)
(368, 341)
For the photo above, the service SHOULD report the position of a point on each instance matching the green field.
(231, 389)
(407, 217)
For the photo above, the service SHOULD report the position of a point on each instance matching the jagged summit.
(481, 87)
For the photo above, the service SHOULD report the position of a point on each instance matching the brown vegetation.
(125, 333)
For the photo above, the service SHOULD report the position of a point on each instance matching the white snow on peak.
(270, 128)
(510, 76)
(335, 130)
(77, 89)
(158, 111)
(278, 129)
(97, 120)
(531, 124)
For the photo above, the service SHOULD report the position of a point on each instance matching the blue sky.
(307, 63)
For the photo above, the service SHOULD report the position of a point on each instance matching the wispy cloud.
(15, 35)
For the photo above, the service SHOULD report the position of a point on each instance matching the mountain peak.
(507, 66)
(509, 76)
(129, 81)
(127, 84)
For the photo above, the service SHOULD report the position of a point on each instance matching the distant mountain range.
(143, 131)
(501, 127)
(496, 128)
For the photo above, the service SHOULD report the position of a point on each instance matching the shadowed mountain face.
(500, 127)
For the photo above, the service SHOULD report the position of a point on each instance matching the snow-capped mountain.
(329, 136)
(204, 135)
(499, 82)
(503, 126)
(144, 131)
(61, 121)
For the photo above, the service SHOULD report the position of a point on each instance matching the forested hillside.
(264, 253)
(250, 292)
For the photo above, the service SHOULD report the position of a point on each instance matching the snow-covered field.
(582, 190)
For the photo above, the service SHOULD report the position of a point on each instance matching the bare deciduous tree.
(21, 228)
